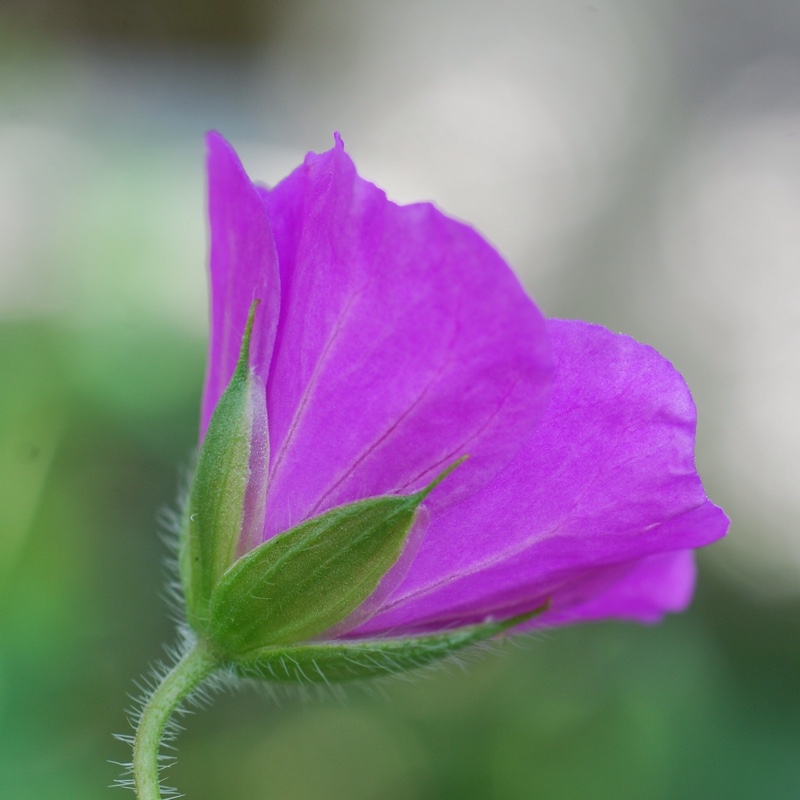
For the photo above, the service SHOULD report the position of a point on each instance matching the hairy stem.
(178, 683)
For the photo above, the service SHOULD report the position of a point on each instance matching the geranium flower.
(390, 342)
(400, 456)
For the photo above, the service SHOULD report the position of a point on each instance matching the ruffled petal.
(404, 342)
(607, 478)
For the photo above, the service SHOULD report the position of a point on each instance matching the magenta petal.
(392, 341)
(244, 266)
(404, 343)
(607, 478)
(645, 591)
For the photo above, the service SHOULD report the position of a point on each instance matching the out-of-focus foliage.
(102, 358)
(209, 22)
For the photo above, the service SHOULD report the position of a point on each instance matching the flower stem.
(177, 684)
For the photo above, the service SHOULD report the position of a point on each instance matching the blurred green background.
(638, 164)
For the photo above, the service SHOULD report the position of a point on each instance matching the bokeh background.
(638, 163)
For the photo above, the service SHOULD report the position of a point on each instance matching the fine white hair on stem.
(197, 699)
(170, 522)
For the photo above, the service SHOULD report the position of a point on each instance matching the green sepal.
(303, 581)
(330, 662)
(214, 515)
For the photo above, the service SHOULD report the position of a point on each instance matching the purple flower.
(401, 457)
(390, 341)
